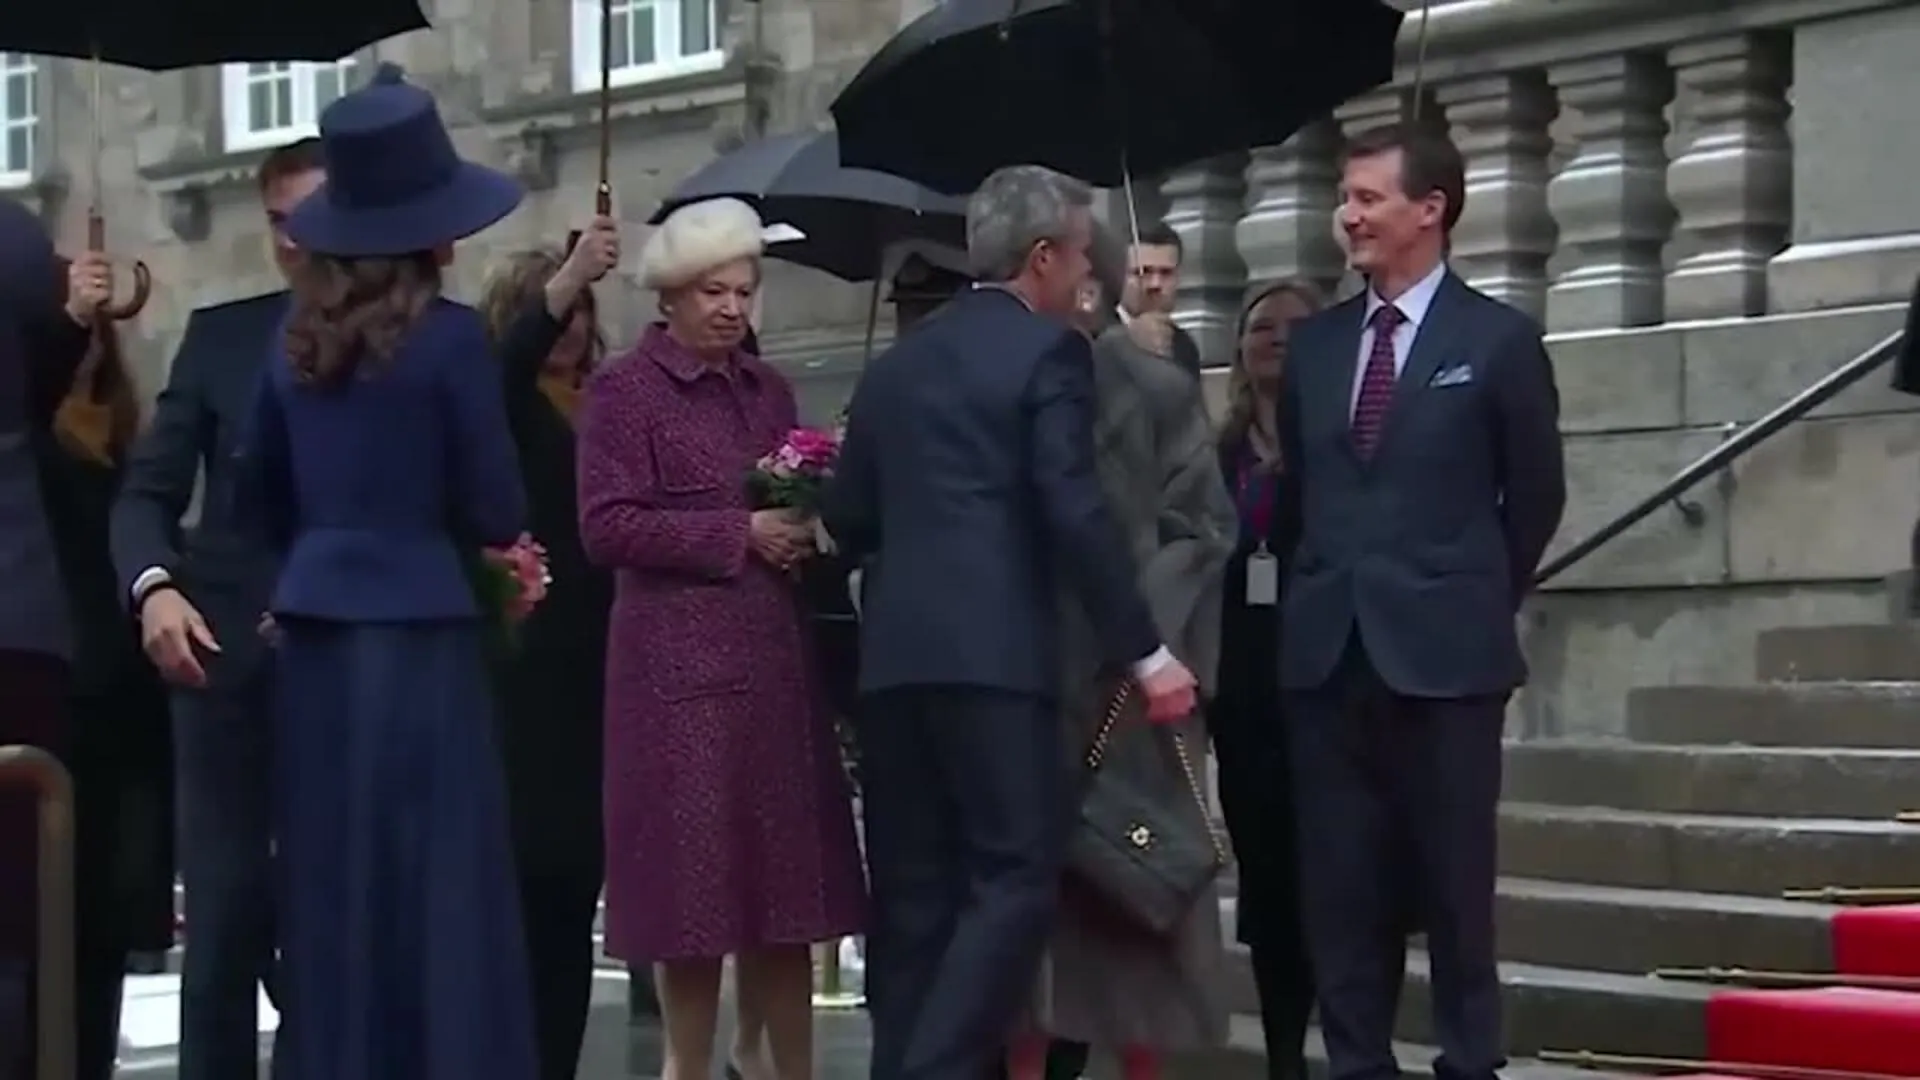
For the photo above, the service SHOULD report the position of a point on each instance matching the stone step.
(1547, 1008)
(1874, 652)
(1847, 714)
(1244, 1057)
(1633, 931)
(1703, 853)
(1770, 781)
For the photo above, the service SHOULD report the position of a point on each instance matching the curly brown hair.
(349, 315)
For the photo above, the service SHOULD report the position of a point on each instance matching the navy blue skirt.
(401, 949)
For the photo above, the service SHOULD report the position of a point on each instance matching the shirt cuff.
(148, 580)
(1149, 665)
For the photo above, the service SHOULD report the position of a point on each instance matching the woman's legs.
(776, 987)
(749, 1059)
(689, 1009)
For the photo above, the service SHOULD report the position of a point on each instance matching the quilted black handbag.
(1148, 861)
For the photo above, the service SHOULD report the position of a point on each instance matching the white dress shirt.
(1414, 305)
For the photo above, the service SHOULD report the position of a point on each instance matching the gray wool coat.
(1156, 452)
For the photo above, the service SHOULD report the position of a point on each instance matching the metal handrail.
(1720, 457)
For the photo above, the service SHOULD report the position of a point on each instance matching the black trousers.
(556, 911)
(1398, 797)
(966, 800)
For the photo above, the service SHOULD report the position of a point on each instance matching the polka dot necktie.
(1376, 381)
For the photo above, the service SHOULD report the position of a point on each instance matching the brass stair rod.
(1846, 894)
(1735, 976)
(1587, 1059)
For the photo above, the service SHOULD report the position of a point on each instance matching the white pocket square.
(1459, 375)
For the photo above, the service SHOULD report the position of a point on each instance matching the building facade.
(1708, 204)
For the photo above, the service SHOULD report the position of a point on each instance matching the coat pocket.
(685, 465)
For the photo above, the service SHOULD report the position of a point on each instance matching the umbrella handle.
(142, 277)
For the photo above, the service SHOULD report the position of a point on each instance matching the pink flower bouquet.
(793, 474)
(510, 582)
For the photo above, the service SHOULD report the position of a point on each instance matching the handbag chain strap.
(1097, 752)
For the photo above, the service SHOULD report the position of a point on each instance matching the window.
(19, 116)
(267, 104)
(652, 39)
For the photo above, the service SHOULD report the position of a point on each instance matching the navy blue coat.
(376, 490)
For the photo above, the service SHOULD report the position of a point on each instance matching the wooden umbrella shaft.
(603, 193)
(28, 766)
(1587, 1059)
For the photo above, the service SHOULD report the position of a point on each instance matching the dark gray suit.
(1400, 654)
(222, 750)
(967, 477)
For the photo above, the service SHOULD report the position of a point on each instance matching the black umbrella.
(848, 216)
(1099, 89)
(163, 35)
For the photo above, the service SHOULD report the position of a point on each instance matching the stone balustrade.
(1629, 162)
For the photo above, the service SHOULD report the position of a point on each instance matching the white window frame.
(666, 37)
(18, 116)
(236, 102)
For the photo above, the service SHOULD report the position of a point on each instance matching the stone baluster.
(1610, 201)
(1287, 232)
(1732, 184)
(1204, 202)
(1505, 232)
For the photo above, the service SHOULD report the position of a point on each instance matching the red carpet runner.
(1840, 1028)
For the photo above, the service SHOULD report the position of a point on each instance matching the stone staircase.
(1672, 847)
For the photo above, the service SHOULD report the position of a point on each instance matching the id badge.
(1263, 578)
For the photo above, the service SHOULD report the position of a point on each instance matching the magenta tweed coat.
(728, 823)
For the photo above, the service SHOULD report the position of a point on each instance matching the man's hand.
(89, 286)
(171, 630)
(1153, 332)
(780, 538)
(1172, 693)
(268, 630)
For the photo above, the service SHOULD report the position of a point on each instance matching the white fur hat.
(698, 237)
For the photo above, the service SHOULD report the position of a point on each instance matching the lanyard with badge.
(1263, 570)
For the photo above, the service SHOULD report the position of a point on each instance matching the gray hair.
(1014, 209)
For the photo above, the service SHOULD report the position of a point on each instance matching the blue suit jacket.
(378, 489)
(1427, 549)
(40, 348)
(196, 430)
(967, 477)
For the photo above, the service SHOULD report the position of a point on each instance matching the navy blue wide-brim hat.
(395, 184)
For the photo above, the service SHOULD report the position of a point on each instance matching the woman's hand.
(780, 539)
(594, 256)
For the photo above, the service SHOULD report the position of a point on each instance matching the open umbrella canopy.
(848, 216)
(1100, 88)
(163, 35)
